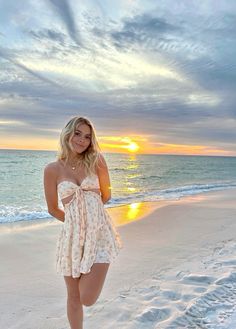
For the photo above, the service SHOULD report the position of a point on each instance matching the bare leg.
(74, 306)
(90, 285)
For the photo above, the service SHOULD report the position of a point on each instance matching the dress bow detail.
(79, 194)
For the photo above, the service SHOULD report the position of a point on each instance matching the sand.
(177, 269)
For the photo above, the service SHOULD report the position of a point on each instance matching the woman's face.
(81, 138)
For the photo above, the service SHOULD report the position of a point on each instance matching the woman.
(88, 240)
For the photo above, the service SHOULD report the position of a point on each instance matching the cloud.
(48, 34)
(66, 13)
(145, 31)
(10, 123)
(147, 24)
(5, 55)
(168, 71)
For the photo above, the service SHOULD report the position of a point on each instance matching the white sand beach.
(177, 269)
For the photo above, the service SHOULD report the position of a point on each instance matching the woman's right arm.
(50, 191)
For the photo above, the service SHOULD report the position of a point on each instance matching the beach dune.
(177, 269)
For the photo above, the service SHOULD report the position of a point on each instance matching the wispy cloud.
(5, 55)
(64, 10)
(163, 69)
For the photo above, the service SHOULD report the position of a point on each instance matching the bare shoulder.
(101, 162)
(52, 168)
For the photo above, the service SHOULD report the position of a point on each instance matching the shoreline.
(122, 214)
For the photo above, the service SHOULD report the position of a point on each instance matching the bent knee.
(88, 300)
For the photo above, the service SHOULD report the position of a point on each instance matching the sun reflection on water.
(133, 210)
(131, 189)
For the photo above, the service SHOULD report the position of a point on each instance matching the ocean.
(134, 178)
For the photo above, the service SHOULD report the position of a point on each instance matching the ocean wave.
(10, 214)
(15, 213)
(171, 193)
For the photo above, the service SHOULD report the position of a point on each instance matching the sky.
(155, 77)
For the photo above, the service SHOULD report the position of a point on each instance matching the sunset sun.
(133, 147)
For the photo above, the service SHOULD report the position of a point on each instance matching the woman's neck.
(74, 160)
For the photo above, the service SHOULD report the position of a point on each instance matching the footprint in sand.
(150, 294)
(153, 315)
(230, 262)
(198, 279)
(171, 295)
(200, 289)
(210, 308)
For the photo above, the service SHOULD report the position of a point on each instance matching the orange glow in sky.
(142, 145)
(118, 144)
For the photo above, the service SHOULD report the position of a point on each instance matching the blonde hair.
(89, 158)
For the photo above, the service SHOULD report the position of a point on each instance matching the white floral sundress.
(88, 234)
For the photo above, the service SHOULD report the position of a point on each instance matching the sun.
(133, 147)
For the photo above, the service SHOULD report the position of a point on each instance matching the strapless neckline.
(74, 183)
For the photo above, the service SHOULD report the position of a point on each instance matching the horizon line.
(130, 153)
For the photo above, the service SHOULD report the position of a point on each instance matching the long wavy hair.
(89, 158)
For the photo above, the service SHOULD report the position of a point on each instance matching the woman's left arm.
(104, 179)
